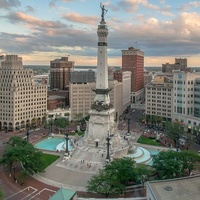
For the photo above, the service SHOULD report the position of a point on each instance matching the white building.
(22, 101)
(186, 92)
(159, 99)
(126, 84)
(82, 96)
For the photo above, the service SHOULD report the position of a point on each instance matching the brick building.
(133, 60)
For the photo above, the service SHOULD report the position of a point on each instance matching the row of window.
(182, 110)
(180, 89)
(183, 82)
(159, 113)
(159, 89)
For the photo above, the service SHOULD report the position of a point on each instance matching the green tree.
(18, 151)
(114, 177)
(190, 140)
(167, 165)
(143, 173)
(174, 131)
(124, 169)
(105, 183)
(61, 122)
(78, 118)
(172, 164)
(190, 161)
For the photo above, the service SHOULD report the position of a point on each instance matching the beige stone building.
(159, 98)
(22, 101)
(82, 96)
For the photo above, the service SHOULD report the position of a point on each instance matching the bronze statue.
(104, 11)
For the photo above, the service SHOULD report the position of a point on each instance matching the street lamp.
(14, 173)
(67, 139)
(108, 144)
(128, 126)
(50, 125)
(27, 133)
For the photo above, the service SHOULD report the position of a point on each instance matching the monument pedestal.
(100, 125)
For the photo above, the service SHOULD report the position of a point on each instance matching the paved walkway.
(74, 172)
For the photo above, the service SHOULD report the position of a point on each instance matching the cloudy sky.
(42, 30)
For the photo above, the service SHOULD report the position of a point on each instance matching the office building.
(159, 98)
(82, 77)
(82, 96)
(180, 64)
(59, 73)
(22, 101)
(125, 79)
(186, 99)
(133, 60)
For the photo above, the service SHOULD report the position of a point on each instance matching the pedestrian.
(102, 155)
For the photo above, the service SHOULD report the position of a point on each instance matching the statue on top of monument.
(104, 11)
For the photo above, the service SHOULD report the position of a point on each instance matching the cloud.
(190, 5)
(76, 35)
(7, 4)
(133, 5)
(180, 36)
(20, 17)
(77, 18)
(29, 9)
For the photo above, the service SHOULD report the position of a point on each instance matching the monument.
(102, 124)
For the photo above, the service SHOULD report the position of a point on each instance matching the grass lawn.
(144, 140)
(49, 159)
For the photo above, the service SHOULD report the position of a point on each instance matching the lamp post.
(67, 139)
(108, 145)
(27, 133)
(177, 142)
(50, 125)
(14, 173)
(128, 126)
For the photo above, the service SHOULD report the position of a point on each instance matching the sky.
(40, 31)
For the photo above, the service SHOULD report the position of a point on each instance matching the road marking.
(27, 188)
(39, 192)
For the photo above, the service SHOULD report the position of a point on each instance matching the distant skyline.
(42, 30)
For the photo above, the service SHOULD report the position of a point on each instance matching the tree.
(174, 130)
(124, 169)
(18, 151)
(190, 139)
(143, 173)
(167, 165)
(105, 183)
(172, 164)
(190, 161)
(61, 122)
(78, 117)
(114, 177)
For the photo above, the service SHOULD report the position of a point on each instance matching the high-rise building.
(22, 101)
(185, 98)
(125, 79)
(133, 60)
(59, 73)
(180, 64)
(159, 98)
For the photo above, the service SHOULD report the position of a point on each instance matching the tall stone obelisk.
(101, 123)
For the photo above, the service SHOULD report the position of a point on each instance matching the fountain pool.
(53, 144)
